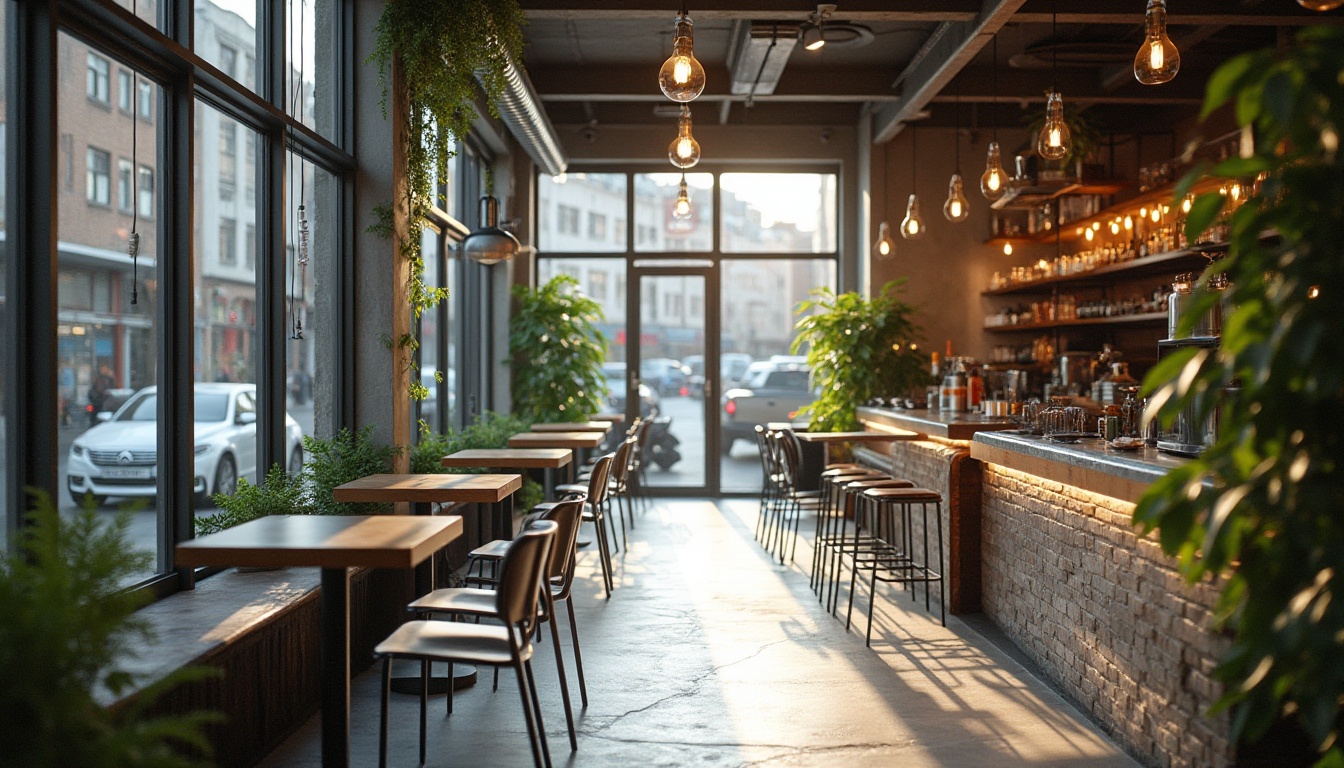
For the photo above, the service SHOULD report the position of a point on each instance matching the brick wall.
(1105, 614)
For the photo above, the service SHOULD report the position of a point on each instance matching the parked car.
(667, 376)
(616, 391)
(119, 457)
(732, 366)
(770, 391)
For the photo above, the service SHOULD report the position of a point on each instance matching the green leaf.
(1203, 211)
(1226, 81)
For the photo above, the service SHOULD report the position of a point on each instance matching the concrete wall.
(1105, 614)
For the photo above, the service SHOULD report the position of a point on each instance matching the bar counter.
(1041, 541)
(1102, 611)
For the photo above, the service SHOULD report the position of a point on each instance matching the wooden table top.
(852, 437)
(574, 426)
(486, 489)
(510, 458)
(611, 416)
(324, 541)
(556, 440)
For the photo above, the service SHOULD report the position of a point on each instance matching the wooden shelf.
(1025, 198)
(1167, 263)
(1143, 319)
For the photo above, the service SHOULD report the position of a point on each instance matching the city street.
(739, 472)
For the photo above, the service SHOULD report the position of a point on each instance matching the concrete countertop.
(951, 426)
(1090, 464)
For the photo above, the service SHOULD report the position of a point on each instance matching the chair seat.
(453, 641)
(903, 494)
(477, 602)
(572, 488)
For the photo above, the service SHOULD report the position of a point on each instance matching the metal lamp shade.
(490, 244)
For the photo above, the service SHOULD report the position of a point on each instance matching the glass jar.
(1055, 418)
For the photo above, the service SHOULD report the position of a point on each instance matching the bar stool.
(825, 536)
(897, 559)
(852, 506)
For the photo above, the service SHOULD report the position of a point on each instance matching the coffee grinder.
(1190, 434)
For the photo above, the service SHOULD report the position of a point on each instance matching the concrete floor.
(710, 654)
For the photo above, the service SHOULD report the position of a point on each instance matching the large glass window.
(6, 326)
(96, 81)
(226, 323)
(310, 42)
(575, 209)
(778, 212)
(106, 334)
(660, 227)
(226, 36)
(309, 270)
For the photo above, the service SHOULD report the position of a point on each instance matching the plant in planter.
(439, 51)
(1260, 509)
(65, 623)
(491, 430)
(557, 353)
(345, 457)
(857, 349)
(279, 494)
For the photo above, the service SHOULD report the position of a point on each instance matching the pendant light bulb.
(1055, 141)
(684, 151)
(994, 180)
(682, 208)
(1320, 5)
(955, 208)
(1157, 61)
(912, 226)
(885, 246)
(1007, 249)
(1129, 222)
(682, 78)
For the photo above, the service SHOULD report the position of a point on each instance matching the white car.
(119, 457)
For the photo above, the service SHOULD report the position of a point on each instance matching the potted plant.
(557, 353)
(857, 348)
(490, 430)
(66, 624)
(346, 457)
(1259, 511)
(281, 493)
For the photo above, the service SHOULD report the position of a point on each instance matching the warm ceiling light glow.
(1156, 215)
(885, 245)
(1055, 140)
(684, 151)
(991, 181)
(956, 207)
(1320, 5)
(1157, 61)
(1314, 292)
(681, 77)
(1096, 226)
(1185, 204)
(1129, 222)
(1007, 249)
(1115, 227)
(682, 208)
(912, 226)
(1088, 233)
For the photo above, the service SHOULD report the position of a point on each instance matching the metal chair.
(480, 603)
(509, 644)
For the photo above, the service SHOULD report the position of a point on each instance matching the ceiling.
(595, 62)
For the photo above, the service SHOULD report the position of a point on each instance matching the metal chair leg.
(527, 713)
(382, 726)
(552, 619)
(578, 656)
(536, 706)
(424, 705)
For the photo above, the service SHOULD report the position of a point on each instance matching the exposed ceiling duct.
(761, 53)
(521, 111)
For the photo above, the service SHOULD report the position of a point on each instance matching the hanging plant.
(443, 48)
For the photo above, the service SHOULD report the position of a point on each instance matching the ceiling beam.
(637, 84)
(1022, 87)
(953, 48)
(754, 10)
(1186, 12)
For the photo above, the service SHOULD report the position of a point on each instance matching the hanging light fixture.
(1054, 142)
(682, 208)
(1007, 249)
(885, 246)
(682, 78)
(684, 151)
(1157, 61)
(955, 208)
(490, 244)
(912, 226)
(994, 181)
(1320, 5)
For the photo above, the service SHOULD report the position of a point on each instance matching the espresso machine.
(1190, 434)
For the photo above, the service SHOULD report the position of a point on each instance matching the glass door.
(673, 332)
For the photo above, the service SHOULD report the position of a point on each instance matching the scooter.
(663, 444)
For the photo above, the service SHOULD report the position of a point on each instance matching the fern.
(64, 626)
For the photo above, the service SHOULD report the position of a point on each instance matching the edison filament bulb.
(681, 77)
(912, 226)
(994, 180)
(684, 151)
(1157, 61)
(956, 208)
(1055, 140)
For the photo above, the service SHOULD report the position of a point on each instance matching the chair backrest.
(621, 466)
(597, 481)
(520, 576)
(566, 515)
(789, 456)
(642, 438)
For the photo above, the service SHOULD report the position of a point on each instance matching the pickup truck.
(771, 392)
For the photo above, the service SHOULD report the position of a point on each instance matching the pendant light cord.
(956, 134)
(134, 245)
(1054, 46)
(914, 160)
(886, 179)
(994, 86)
